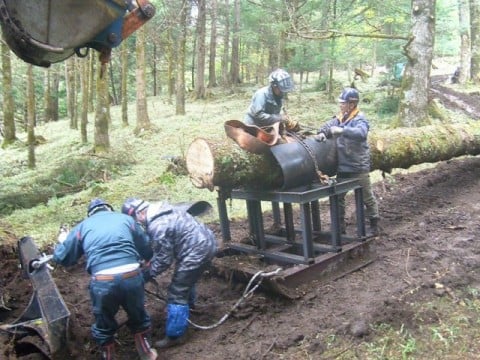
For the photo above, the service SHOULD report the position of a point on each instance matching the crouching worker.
(113, 244)
(176, 237)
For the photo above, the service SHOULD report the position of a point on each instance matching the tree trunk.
(47, 96)
(226, 44)
(143, 121)
(84, 111)
(70, 87)
(212, 78)
(123, 89)
(235, 60)
(30, 117)
(181, 51)
(200, 55)
(413, 107)
(101, 136)
(9, 136)
(475, 39)
(465, 43)
(223, 163)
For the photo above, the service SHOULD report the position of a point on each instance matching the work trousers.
(371, 206)
(107, 296)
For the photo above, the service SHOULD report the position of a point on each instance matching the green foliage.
(388, 106)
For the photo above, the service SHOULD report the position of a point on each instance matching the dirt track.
(431, 226)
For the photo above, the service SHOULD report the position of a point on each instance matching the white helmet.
(281, 79)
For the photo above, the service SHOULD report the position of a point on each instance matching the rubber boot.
(108, 351)
(145, 352)
(374, 227)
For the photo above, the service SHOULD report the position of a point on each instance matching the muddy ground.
(430, 230)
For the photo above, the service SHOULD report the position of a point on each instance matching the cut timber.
(223, 163)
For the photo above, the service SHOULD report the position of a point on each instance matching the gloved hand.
(62, 233)
(336, 130)
(292, 125)
(321, 137)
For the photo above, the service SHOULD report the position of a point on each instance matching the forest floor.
(427, 257)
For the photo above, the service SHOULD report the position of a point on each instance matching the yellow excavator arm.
(43, 32)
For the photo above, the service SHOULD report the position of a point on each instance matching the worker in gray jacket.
(267, 102)
(176, 237)
(350, 130)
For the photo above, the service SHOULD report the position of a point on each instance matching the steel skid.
(43, 325)
(312, 251)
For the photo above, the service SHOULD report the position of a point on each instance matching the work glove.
(62, 233)
(321, 137)
(336, 130)
(292, 125)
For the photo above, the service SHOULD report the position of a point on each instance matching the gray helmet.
(133, 205)
(349, 95)
(281, 79)
(98, 204)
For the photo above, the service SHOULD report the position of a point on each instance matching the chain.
(324, 179)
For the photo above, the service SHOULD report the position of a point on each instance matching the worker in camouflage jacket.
(177, 237)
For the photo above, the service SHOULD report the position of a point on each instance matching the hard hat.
(282, 80)
(98, 204)
(132, 205)
(349, 95)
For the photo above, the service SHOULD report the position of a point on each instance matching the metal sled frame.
(44, 323)
(318, 254)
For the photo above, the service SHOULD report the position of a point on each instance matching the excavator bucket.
(43, 32)
(43, 326)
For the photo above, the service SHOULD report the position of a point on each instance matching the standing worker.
(114, 244)
(176, 237)
(267, 102)
(350, 128)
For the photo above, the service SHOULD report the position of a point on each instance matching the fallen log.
(224, 164)
(405, 147)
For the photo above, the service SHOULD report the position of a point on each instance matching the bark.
(224, 164)
(101, 136)
(226, 44)
(9, 135)
(123, 89)
(465, 43)
(235, 60)
(70, 87)
(30, 117)
(84, 109)
(413, 107)
(143, 121)
(212, 78)
(475, 39)
(47, 97)
(200, 55)
(181, 53)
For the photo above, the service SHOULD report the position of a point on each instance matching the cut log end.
(200, 164)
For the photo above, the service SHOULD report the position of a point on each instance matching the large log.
(404, 147)
(223, 163)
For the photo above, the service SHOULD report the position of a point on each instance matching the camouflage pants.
(371, 206)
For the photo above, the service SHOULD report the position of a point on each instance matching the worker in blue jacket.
(350, 130)
(114, 246)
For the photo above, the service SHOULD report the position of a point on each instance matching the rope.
(246, 294)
